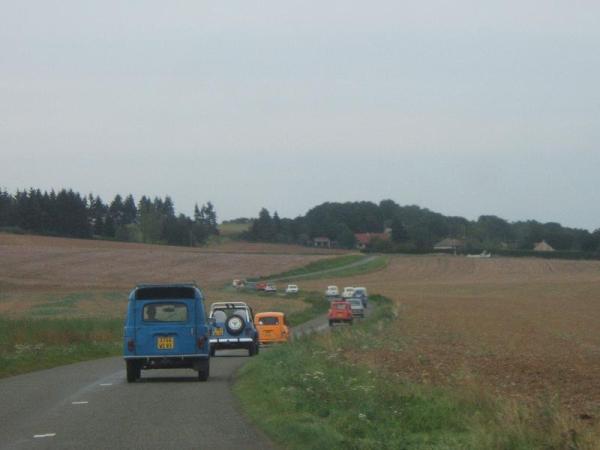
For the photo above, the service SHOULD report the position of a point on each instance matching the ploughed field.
(57, 277)
(525, 329)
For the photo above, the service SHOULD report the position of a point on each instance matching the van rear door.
(165, 328)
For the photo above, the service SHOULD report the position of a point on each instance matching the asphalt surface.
(89, 405)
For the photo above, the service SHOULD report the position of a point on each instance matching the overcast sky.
(463, 107)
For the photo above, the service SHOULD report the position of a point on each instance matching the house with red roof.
(364, 239)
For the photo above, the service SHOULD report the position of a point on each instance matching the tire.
(204, 371)
(331, 323)
(234, 319)
(252, 349)
(138, 371)
(257, 344)
(132, 369)
(212, 350)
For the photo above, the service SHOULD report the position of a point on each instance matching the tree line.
(70, 214)
(415, 229)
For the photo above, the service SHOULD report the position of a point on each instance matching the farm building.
(449, 244)
(542, 247)
(364, 239)
(322, 242)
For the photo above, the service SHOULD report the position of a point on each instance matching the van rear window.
(268, 321)
(165, 293)
(165, 312)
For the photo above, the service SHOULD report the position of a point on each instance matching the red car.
(340, 312)
(261, 285)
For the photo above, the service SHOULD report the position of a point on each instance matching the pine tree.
(129, 210)
(116, 211)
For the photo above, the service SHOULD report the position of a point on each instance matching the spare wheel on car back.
(235, 324)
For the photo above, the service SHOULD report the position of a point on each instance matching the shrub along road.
(89, 405)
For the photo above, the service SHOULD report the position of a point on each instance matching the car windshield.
(270, 320)
(221, 315)
(165, 312)
(340, 306)
(356, 302)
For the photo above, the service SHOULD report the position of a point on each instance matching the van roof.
(182, 291)
(266, 314)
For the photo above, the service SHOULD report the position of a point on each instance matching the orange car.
(272, 327)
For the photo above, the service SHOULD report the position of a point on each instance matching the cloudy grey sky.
(464, 107)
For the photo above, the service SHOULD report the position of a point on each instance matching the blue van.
(166, 327)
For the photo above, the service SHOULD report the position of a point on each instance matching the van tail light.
(201, 341)
(131, 345)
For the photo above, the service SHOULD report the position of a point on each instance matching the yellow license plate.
(165, 343)
(218, 331)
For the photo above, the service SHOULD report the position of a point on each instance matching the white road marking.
(37, 436)
(79, 403)
(105, 384)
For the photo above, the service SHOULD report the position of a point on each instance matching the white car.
(332, 291)
(270, 287)
(292, 289)
(348, 292)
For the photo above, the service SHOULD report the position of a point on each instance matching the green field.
(233, 229)
(34, 344)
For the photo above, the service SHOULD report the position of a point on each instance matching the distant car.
(348, 292)
(233, 327)
(260, 285)
(238, 284)
(361, 292)
(356, 305)
(272, 327)
(332, 291)
(166, 328)
(292, 289)
(270, 287)
(340, 312)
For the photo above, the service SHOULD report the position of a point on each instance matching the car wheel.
(331, 323)
(252, 349)
(204, 371)
(212, 350)
(235, 325)
(138, 371)
(131, 371)
(257, 347)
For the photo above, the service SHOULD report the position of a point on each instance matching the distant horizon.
(220, 219)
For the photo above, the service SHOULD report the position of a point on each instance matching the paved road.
(89, 405)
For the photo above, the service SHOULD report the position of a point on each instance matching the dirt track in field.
(522, 328)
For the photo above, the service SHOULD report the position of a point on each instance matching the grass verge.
(317, 305)
(343, 266)
(308, 395)
(34, 344)
(317, 266)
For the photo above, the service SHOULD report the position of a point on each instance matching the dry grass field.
(526, 329)
(44, 276)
